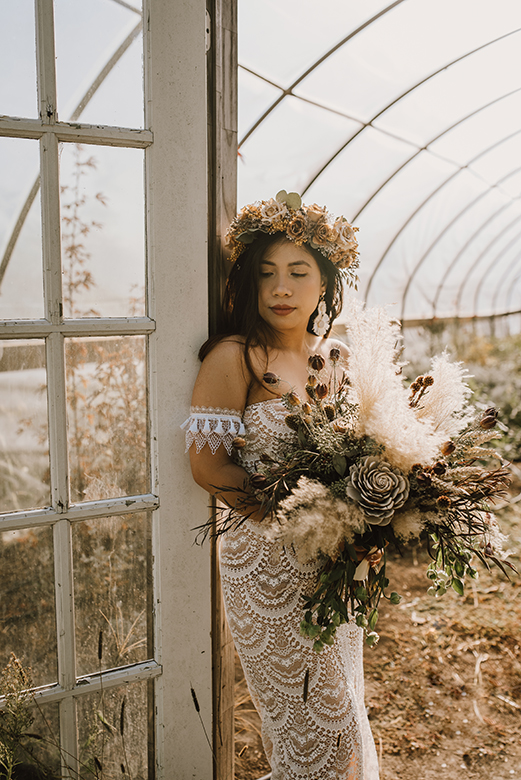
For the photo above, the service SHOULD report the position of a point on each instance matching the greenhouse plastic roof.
(405, 117)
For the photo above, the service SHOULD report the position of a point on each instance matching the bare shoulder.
(223, 379)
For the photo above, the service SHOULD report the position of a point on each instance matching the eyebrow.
(296, 262)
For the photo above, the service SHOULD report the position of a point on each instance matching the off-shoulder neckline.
(266, 401)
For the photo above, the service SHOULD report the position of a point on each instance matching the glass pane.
(45, 752)
(102, 207)
(106, 407)
(110, 591)
(271, 158)
(94, 38)
(24, 448)
(113, 733)
(21, 282)
(27, 612)
(18, 59)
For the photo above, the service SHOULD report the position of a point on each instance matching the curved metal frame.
(422, 204)
(397, 100)
(289, 90)
(480, 257)
(490, 266)
(511, 266)
(512, 288)
(471, 238)
(426, 148)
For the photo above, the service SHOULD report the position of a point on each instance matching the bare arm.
(222, 383)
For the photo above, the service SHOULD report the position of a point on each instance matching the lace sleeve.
(207, 425)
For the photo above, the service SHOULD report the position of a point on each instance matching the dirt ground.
(443, 686)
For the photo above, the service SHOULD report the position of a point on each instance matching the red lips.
(282, 310)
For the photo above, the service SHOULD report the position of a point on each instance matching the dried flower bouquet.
(373, 462)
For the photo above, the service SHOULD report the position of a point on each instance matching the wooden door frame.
(222, 207)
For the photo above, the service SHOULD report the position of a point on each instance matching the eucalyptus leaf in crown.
(332, 236)
(372, 462)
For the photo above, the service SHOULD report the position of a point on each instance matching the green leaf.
(458, 586)
(361, 621)
(459, 568)
(281, 196)
(395, 598)
(339, 464)
(293, 200)
(336, 573)
(246, 238)
(318, 645)
(373, 618)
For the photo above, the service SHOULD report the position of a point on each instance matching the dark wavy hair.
(240, 310)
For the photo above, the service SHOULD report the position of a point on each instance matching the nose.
(281, 289)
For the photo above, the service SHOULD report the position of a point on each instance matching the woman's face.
(290, 286)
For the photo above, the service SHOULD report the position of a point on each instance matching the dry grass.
(443, 687)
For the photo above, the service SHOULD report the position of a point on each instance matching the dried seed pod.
(312, 380)
(239, 443)
(439, 468)
(488, 422)
(321, 391)
(334, 354)
(293, 399)
(448, 448)
(258, 481)
(428, 380)
(306, 409)
(443, 502)
(270, 378)
(316, 362)
(293, 421)
(330, 411)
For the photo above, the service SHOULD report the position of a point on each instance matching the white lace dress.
(326, 737)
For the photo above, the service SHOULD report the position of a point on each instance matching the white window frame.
(175, 144)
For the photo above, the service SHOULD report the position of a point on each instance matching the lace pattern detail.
(212, 426)
(327, 737)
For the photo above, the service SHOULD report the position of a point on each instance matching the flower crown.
(332, 237)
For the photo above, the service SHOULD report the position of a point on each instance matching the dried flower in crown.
(332, 237)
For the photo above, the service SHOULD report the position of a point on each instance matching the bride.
(282, 296)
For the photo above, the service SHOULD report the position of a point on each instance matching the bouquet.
(371, 463)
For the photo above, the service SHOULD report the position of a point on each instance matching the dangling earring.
(321, 321)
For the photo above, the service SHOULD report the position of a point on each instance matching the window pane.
(21, 282)
(46, 724)
(113, 732)
(18, 59)
(106, 408)
(102, 207)
(110, 591)
(24, 449)
(94, 37)
(27, 611)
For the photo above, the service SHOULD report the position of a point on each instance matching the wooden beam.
(222, 204)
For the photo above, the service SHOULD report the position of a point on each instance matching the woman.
(283, 293)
